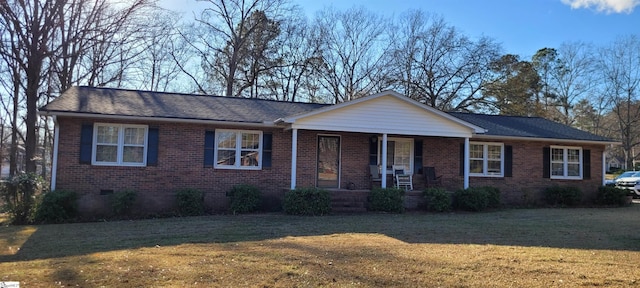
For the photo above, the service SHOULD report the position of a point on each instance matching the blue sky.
(522, 26)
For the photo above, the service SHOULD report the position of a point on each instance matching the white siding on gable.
(386, 114)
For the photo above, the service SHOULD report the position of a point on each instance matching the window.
(235, 149)
(566, 162)
(399, 152)
(119, 145)
(486, 159)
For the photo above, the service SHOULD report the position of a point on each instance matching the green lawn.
(509, 248)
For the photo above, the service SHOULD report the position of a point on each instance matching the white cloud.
(607, 6)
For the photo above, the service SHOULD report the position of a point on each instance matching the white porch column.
(54, 162)
(383, 161)
(604, 168)
(294, 156)
(466, 163)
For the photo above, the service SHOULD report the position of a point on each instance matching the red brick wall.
(180, 165)
(526, 184)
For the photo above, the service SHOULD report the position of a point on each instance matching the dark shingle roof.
(118, 102)
(135, 103)
(529, 127)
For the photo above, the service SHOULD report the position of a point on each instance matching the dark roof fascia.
(157, 119)
(540, 139)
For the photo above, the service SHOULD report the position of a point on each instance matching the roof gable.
(386, 112)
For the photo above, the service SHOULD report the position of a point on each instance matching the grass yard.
(510, 248)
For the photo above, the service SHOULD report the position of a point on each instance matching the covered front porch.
(333, 147)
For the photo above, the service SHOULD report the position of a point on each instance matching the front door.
(328, 162)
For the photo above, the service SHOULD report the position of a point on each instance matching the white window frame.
(395, 139)
(120, 145)
(565, 162)
(238, 150)
(485, 159)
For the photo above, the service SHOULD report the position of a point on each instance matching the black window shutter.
(462, 159)
(267, 143)
(152, 148)
(508, 161)
(417, 156)
(586, 164)
(86, 143)
(373, 150)
(546, 162)
(209, 139)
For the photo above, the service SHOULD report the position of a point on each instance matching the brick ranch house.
(157, 143)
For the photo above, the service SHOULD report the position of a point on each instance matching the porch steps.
(349, 201)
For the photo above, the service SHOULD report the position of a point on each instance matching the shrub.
(190, 202)
(244, 198)
(307, 201)
(477, 198)
(57, 207)
(122, 201)
(20, 194)
(438, 199)
(610, 195)
(386, 200)
(562, 195)
(493, 196)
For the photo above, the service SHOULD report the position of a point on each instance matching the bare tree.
(620, 68)
(575, 78)
(226, 29)
(439, 66)
(354, 46)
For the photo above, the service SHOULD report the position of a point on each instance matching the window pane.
(494, 167)
(557, 155)
(132, 154)
(107, 135)
(134, 136)
(573, 155)
(391, 152)
(475, 166)
(476, 151)
(494, 152)
(249, 158)
(250, 141)
(226, 140)
(573, 170)
(557, 169)
(105, 153)
(403, 155)
(226, 157)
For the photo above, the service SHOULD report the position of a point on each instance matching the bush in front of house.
(386, 200)
(612, 196)
(57, 206)
(563, 196)
(20, 194)
(476, 198)
(190, 202)
(244, 198)
(122, 202)
(307, 201)
(437, 199)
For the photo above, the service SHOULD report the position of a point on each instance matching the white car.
(629, 180)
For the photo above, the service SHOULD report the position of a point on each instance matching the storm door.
(328, 161)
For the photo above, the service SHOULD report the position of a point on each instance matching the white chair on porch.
(402, 178)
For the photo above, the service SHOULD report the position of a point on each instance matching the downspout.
(466, 163)
(294, 156)
(604, 168)
(54, 162)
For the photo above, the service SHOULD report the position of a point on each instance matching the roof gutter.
(158, 119)
(537, 139)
